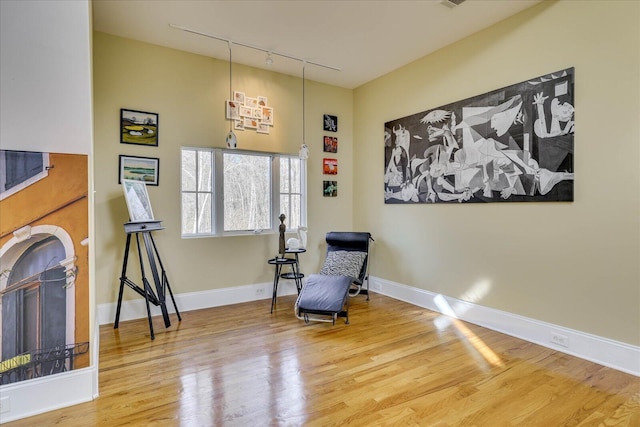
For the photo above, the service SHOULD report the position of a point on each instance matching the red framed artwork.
(330, 166)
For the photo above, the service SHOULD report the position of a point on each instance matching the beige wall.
(188, 91)
(571, 264)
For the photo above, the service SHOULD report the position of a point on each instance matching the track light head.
(269, 60)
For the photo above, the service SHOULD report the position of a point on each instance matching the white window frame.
(302, 193)
(217, 192)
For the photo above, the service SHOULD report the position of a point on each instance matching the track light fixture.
(303, 153)
(270, 53)
(231, 139)
(269, 60)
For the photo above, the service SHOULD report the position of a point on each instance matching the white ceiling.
(365, 39)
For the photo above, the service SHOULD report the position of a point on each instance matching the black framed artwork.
(135, 168)
(330, 188)
(138, 127)
(330, 123)
(330, 144)
(513, 144)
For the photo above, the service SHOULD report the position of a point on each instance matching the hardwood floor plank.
(394, 365)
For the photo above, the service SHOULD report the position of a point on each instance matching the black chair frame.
(339, 241)
(353, 241)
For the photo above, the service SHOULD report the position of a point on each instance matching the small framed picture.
(138, 203)
(233, 110)
(238, 124)
(263, 128)
(330, 123)
(144, 169)
(267, 115)
(250, 123)
(330, 166)
(245, 111)
(257, 113)
(251, 102)
(238, 97)
(138, 127)
(330, 144)
(330, 188)
(262, 101)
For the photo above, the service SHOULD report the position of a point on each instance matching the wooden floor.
(394, 365)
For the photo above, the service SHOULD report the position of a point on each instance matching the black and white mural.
(513, 144)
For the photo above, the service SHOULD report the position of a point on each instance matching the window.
(197, 191)
(246, 191)
(227, 192)
(19, 169)
(291, 191)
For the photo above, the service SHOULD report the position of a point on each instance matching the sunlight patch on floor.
(451, 318)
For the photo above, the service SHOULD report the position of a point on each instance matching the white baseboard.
(614, 354)
(610, 353)
(39, 395)
(136, 309)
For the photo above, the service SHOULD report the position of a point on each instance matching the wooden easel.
(157, 297)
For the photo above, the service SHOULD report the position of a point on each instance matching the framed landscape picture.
(134, 168)
(138, 127)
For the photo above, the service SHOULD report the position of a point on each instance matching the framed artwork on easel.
(137, 198)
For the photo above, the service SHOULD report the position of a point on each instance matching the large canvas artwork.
(513, 144)
(44, 264)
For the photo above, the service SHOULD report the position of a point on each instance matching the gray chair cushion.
(324, 293)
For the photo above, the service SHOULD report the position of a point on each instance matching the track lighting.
(269, 60)
(231, 140)
(270, 53)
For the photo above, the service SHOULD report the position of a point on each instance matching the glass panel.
(31, 320)
(204, 212)
(204, 170)
(295, 211)
(247, 192)
(188, 170)
(295, 175)
(189, 213)
(285, 209)
(284, 175)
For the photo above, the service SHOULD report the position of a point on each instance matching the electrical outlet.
(260, 292)
(561, 340)
(5, 405)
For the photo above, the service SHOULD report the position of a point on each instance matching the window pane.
(204, 170)
(204, 212)
(285, 209)
(188, 170)
(247, 192)
(284, 175)
(295, 211)
(295, 175)
(188, 213)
